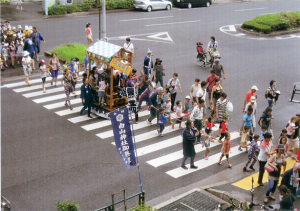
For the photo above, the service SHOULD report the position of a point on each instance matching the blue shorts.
(54, 73)
(207, 145)
(36, 49)
(100, 94)
(31, 54)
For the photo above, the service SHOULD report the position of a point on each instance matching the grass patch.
(274, 22)
(69, 51)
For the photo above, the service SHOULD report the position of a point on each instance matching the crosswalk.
(160, 151)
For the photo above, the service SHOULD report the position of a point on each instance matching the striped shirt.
(221, 108)
(197, 113)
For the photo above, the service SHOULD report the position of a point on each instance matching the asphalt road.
(46, 157)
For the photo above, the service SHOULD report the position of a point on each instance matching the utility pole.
(99, 21)
(103, 31)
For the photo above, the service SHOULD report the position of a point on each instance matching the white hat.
(159, 89)
(19, 27)
(277, 92)
(26, 27)
(5, 44)
(254, 87)
(187, 97)
(253, 99)
(13, 28)
(30, 27)
(25, 53)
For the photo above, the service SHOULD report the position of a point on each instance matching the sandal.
(272, 197)
(229, 166)
(266, 200)
(220, 163)
(71, 108)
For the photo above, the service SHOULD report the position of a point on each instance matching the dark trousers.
(185, 158)
(160, 81)
(88, 106)
(161, 128)
(173, 97)
(198, 125)
(222, 136)
(261, 170)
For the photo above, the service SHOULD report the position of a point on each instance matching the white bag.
(229, 107)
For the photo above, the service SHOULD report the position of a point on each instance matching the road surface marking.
(272, 13)
(82, 118)
(152, 134)
(68, 111)
(140, 19)
(261, 8)
(62, 104)
(39, 93)
(105, 123)
(161, 24)
(163, 37)
(178, 154)
(30, 88)
(246, 183)
(212, 160)
(232, 28)
(240, 34)
(55, 97)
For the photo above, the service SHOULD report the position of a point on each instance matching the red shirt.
(298, 156)
(223, 127)
(210, 125)
(211, 81)
(249, 95)
(88, 31)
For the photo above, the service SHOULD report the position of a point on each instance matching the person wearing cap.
(218, 68)
(272, 94)
(248, 96)
(27, 66)
(44, 70)
(158, 72)
(88, 30)
(154, 103)
(254, 106)
(189, 138)
(291, 178)
(186, 106)
(148, 63)
(37, 38)
(276, 162)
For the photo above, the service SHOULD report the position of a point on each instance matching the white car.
(150, 5)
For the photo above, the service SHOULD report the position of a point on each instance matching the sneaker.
(13, 67)
(194, 167)
(161, 135)
(150, 123)
(240, 149)
(37, 60)
(245, 170)
(206, 157)
(251, 167)
(200, 142)
(184, 167)
(260, 184)
(246, 151)
(44, 90)
(158, 132)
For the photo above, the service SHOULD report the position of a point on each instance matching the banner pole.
(137, 159)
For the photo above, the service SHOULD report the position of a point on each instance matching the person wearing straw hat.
(19, 29)
(27, 62)
(248, 96)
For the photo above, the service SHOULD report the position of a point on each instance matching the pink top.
(226, 147)
(88, 31)
(179, 111)
(102, 86)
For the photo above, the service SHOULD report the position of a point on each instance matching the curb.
(273, 34)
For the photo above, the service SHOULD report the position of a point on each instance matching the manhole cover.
(197, 200)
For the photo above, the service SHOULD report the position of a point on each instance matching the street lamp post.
(99, 21)
(103, 31)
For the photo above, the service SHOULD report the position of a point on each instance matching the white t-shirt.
(254, 106)
(26, 60)
(129, 47)
(43, 74)
(195, 89)
(262, 153)
(201, 93)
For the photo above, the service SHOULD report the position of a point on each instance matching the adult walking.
(253, 104)
(291, 178)
(67, 83)
(27, 66)
(219, 69)
(54, 63)
(248, 96)
(148, 64)
(174, 83)
(266, 150)
(212, 44)
(197, 117)
(293, 139)
(221, 107)
(87, 97)
(36, 39)
(276, 162)
(201, 94)
(158, 72)
(89, 34)
(154, 103)
(211, 81)
(189, 138)
(194, 89)
(272, 94)
(215, 95)
(28, 46)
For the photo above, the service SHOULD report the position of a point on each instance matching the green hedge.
(88, 4)
(274, 22)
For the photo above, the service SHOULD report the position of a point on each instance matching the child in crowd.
(252, 154)
(166, 94)
(161, 122)
(44, 71)
(291, 127)
(167, 107)
(187, 106)
(206, 142)
(210, 123)
(225, 149)
(194, 104)
(19, 47)
(179, 114)
(283, 133)
(101, 91)
(283, 141)
(262, 133)
(224, 128)
(12, 53)
(5, 54)
(244, 136)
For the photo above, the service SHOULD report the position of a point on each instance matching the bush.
(69, 51)
(143, 207)
(274, 22)
(67, 206)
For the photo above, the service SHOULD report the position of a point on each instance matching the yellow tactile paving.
(246, 183)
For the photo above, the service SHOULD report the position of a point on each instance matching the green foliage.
(67, 206)
(274, 22)
(143, 207)
(69, 51)
(4, 1)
